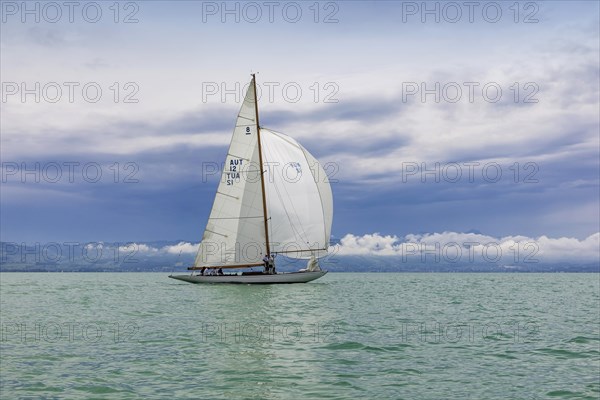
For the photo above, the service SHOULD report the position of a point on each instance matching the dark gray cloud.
(172, 198)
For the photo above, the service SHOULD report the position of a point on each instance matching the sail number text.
(237, 170)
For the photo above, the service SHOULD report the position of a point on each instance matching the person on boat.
(272, 264)
(220, 271)
(266, 262)
(202, 270)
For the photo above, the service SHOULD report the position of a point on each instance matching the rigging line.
(300, 251)
(216, 233)
(235, 156)
(236, 217)
(228, 195)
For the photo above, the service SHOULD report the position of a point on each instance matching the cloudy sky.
(429, 118)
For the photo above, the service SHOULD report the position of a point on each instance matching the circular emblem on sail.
(296, 166)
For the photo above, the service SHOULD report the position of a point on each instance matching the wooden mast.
(260, 164)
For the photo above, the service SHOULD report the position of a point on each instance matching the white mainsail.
(235, 233)
(298, 201)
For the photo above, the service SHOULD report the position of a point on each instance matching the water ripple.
(376, 336)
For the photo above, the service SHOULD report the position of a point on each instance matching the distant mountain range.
(168, 256)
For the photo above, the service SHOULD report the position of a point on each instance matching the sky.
(435, 117)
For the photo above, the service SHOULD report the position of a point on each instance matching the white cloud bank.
(449, 247)
(181, 248)
(469, 247)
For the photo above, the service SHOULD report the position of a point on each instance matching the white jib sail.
(235, 233)
(299, 199)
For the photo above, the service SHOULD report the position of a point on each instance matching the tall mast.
(260, 164)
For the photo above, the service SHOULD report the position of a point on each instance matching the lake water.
(386, 336)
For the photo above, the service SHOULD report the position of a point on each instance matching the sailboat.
(273, 199)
